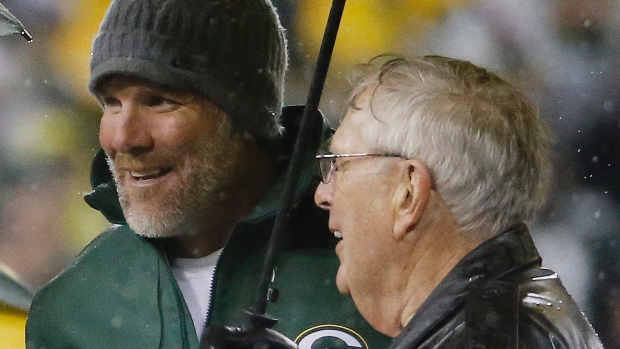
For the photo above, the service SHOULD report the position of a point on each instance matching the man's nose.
(132, 133)
(323, 196)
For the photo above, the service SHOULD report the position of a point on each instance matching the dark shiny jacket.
(498, 296)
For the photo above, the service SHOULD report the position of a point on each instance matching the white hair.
(482, 140)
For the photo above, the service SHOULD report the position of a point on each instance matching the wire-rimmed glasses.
(327, 162)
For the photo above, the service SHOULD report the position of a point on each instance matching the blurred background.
(564, 53)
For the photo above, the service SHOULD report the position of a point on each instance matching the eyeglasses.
(327, 162)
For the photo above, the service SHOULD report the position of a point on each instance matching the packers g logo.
(330, 337)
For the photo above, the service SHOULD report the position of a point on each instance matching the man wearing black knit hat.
(195, 146)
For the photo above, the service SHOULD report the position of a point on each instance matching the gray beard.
(205, 176)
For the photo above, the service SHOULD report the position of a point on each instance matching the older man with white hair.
(429, 182)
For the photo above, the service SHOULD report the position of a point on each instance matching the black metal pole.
(301, 144)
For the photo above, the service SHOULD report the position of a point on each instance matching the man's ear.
(411, 198)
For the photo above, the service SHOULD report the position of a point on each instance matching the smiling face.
(359, 198)
(173, 155)
(399, 237)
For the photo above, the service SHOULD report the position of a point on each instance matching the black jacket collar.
(498, 257)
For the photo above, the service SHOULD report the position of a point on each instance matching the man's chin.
(154, 234)
(341, 282)
(152, 228)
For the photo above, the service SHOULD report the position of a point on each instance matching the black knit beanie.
(231, 51)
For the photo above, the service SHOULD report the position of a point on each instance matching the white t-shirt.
(195, 276)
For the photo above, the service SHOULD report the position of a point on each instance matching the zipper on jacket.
(212, 288)
(180, 305)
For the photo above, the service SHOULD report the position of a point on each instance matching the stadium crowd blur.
(564, 53)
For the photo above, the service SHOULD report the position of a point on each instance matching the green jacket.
(120, 291)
